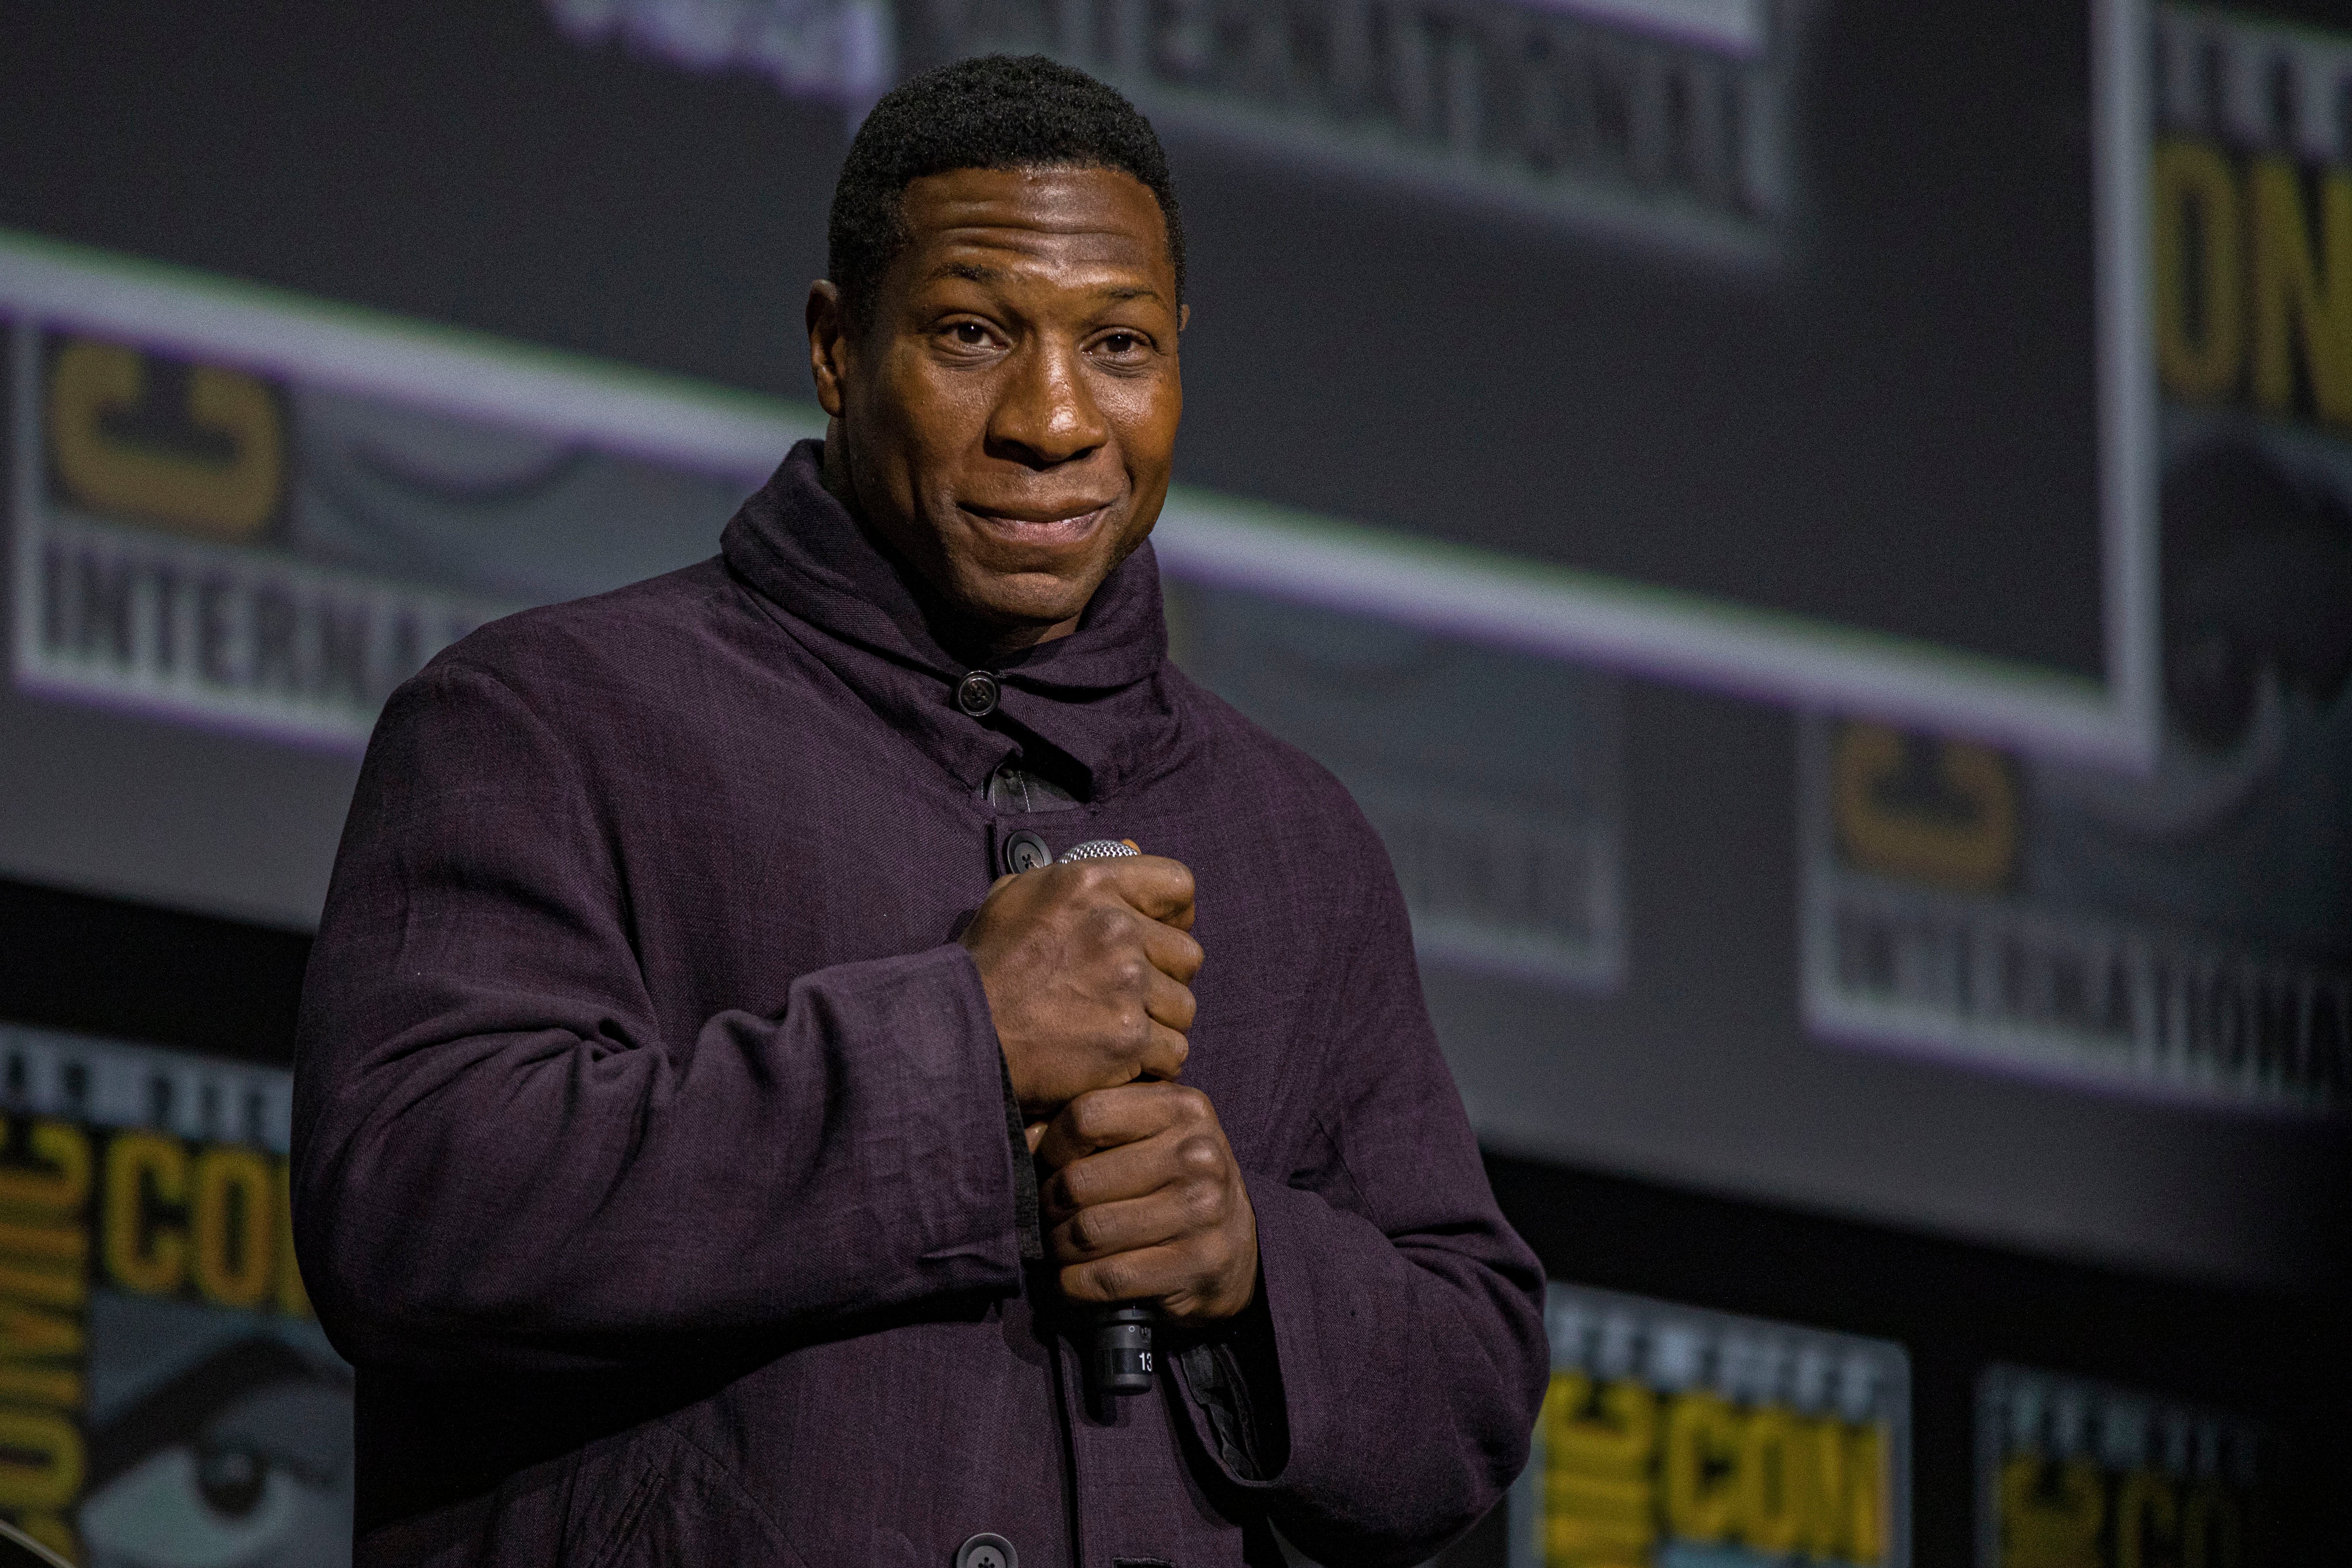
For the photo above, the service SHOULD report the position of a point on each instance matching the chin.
(1023, 601)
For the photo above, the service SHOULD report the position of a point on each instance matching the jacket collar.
(1095, 699)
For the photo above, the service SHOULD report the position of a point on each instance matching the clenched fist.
(1086, 967)
(1146, 1204)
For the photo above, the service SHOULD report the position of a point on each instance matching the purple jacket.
(650, 1154)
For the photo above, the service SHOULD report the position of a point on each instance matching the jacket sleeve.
(1409, 1360)
(497, 1159)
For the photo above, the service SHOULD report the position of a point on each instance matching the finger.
(1143, 1275)
(1106, 1118)
(1105, 1230)
(1168, 1001)
(1153, 885)
(1035, 1134)
(1171, 952)
(1164, 1054)
(1107, 1176)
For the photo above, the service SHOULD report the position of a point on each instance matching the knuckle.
(1218, 1282)
(1198, 1156)
(1115, 1279)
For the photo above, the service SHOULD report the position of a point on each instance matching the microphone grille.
(1099, 849)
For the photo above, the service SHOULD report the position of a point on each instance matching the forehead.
(1032, 219)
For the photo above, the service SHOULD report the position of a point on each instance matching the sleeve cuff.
(1025, 1224)
(1234, 1382)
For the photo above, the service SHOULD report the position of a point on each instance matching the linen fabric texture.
(650, 1156)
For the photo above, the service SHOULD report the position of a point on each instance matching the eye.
(1123, 345)
(208, 1507)
(968, 334)
(232, 1479)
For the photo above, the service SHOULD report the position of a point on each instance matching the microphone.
(1118, 1338)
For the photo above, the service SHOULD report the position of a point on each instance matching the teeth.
(1041, 521)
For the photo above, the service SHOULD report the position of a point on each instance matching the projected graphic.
(2254, 217)
(2075, 1474)
(2188, 935)
(166, 1395)
(1662, 121)
(205, 532)
(1678, 1437)
(2187, 932)
(1658, 122)
(836, 51)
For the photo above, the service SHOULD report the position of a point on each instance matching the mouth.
(1038, 527)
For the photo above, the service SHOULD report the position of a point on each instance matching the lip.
(1041, 526)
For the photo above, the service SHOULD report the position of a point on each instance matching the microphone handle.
(1119, 1347)
(1119, 1356)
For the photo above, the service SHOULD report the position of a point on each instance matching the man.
(695, 989)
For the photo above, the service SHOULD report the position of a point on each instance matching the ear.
(1184, 317)
(830, 355)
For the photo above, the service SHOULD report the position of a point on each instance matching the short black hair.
(994, 113)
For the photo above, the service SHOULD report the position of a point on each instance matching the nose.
(1045, 415)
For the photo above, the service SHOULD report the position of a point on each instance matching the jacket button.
(976, 694)
(1025, 851)
(987, 1550)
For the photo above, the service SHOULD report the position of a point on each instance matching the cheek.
(937, 414)
(1144, 414)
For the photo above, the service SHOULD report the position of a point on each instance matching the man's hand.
(1145, 1204)
(1086, 967)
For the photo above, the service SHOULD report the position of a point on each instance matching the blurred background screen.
(1820, 532)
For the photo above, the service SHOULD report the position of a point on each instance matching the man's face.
(1007, 422)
